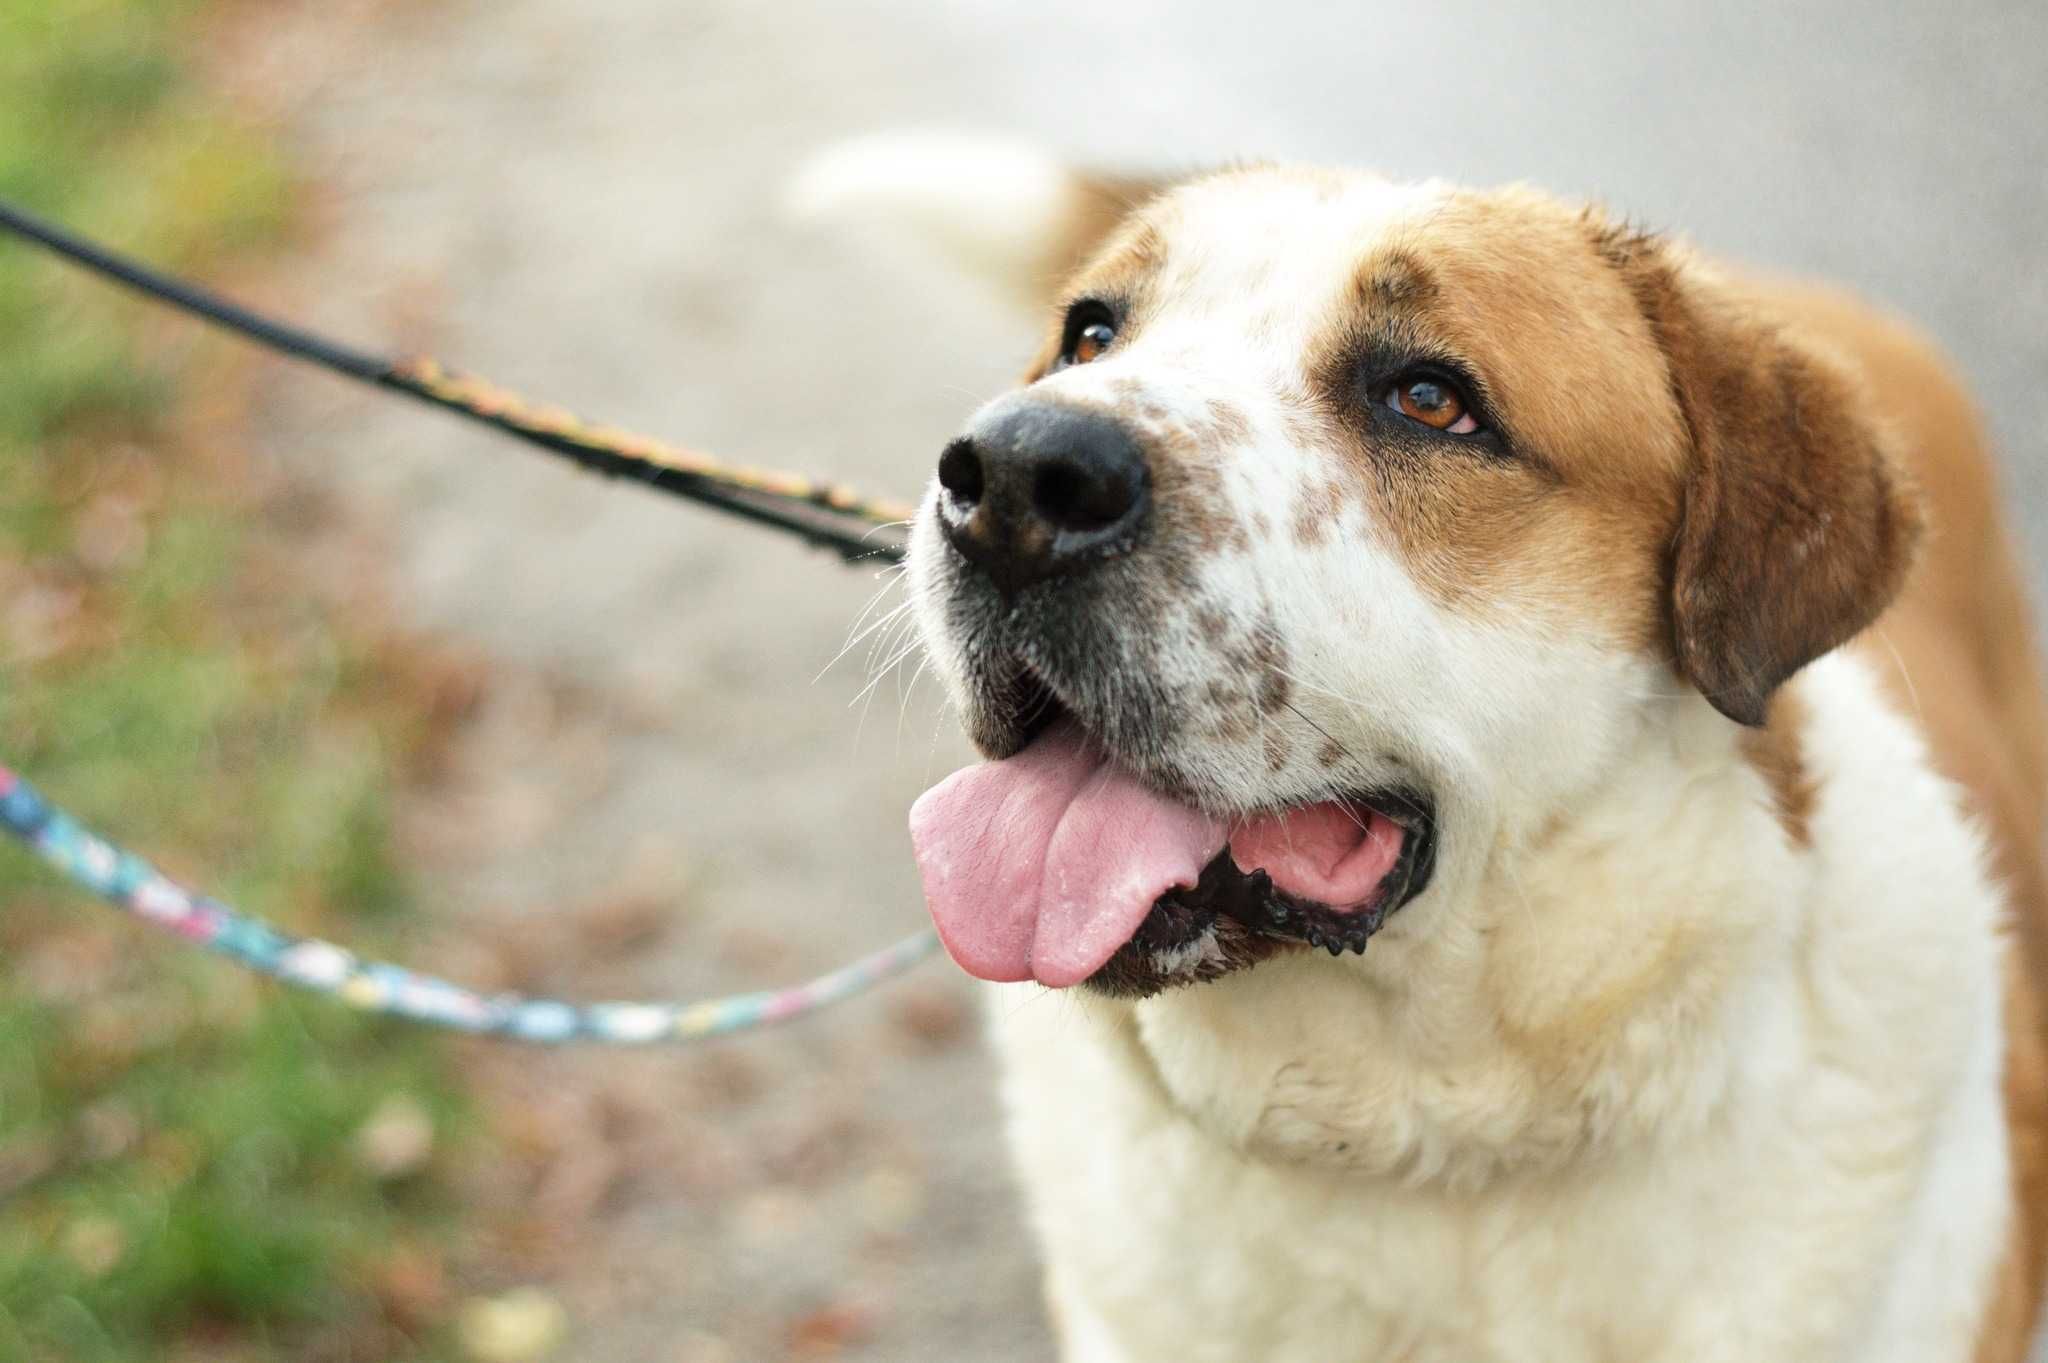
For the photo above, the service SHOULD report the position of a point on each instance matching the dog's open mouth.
(1059, 865)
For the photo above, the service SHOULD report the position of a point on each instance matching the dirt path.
(656, 797)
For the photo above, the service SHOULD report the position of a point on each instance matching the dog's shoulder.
(1956, 654)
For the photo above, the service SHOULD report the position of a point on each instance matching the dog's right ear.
(1005, 211)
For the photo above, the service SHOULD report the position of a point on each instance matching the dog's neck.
(1665, 1002)
(1605, 978)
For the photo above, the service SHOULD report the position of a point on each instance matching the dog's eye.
(1434, 401)
(1092, 341)
(1090, 330)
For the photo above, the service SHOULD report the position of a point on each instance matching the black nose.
(1040, 490)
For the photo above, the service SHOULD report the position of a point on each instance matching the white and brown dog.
(1632, 650)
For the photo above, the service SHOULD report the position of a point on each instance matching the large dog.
(1630, 648)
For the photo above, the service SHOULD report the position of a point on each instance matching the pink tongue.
(1042, 865)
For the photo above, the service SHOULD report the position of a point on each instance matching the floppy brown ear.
(1797, 524)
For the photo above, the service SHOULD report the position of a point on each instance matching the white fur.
(1298, 1164)
(1638, 1078)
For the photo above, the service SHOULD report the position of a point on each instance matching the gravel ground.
(670, 787)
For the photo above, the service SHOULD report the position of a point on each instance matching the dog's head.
(1343, 535)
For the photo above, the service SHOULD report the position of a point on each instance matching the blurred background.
(372, 674)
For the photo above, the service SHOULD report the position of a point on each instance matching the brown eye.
(1092, 340)
(1434, 402)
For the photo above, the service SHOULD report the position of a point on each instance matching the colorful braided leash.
(132, 884)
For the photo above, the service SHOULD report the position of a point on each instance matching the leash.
(825, 515)
(132, 884)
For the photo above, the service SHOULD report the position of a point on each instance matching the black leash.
(822, 514)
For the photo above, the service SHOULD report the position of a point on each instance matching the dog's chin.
(1179, 946)
(1232, 918)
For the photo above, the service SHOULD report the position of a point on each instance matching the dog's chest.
(1163, 1248)
(1162, 1245)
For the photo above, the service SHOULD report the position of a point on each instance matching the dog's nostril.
(960, 470)
(1073, 497)
(1042, 490)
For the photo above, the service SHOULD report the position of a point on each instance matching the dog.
(1513, 812)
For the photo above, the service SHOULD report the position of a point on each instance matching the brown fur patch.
(1228, 423)
(1121, 252)
(1642, 406)
(1274, 689)
(1194, 518)
(1102, 205)
(1123, 269)
(1774, 750)
(1396, 279)
(1571, 526)
(1315, 512)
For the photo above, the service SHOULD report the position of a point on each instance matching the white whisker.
(861, 628)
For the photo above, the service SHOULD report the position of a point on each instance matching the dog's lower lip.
(1259, 913)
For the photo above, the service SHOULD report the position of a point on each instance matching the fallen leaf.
(933, 1018)
(398, 1139)
(411, 1283)
(827, 1331)
(96, 1244)
(520, 1326)
(890, 1199)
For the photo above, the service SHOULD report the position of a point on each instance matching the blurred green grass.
(189, 1160)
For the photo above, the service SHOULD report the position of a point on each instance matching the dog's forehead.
(1260, 277)
(1272, 251)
